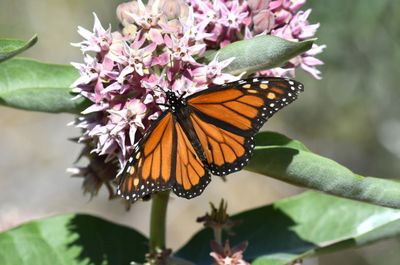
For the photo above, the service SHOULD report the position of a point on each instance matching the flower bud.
(123, 11)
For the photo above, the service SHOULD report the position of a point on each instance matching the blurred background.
(352, 115)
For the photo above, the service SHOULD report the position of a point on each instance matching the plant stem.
(218, 234)
(157, 220)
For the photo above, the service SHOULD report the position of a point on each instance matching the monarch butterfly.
(211, 131)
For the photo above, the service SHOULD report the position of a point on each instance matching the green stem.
(157, 220)
(218, 234)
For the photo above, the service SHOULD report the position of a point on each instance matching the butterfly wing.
(192, 176)
(163, 159)
(226, 118)
(151, 166)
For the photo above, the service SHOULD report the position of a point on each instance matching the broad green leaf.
(12, 47)
(259, 53)
(295, 164)
(301, 226)
(73, 240)
(32, 85)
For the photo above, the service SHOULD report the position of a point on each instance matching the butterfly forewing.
(226, 118)
(150, 168)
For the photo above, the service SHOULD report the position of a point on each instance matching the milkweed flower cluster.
(231, 20)
(160, 47)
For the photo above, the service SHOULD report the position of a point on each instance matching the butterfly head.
(174, 101)
(172, 98)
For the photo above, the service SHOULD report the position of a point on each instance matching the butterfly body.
(211, 131)
(179, 109)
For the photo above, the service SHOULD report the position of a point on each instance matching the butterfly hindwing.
(192, 176)
(226, 152)
(226, 118)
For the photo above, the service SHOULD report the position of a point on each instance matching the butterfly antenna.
(183, 94)
(162, 89)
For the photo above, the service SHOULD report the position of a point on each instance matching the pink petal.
(148, 99)
(312, 70)
(168, 41)
(94, 108)
(311, 61)
(156, 36)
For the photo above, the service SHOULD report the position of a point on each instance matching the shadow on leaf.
(101, 242)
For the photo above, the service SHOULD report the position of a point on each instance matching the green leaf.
(73, 240)
(304, 225)
(32, 85)
(279, 140)
(295, 164)
(259, 53)
(12, 47)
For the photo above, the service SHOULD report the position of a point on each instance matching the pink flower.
(213, 72)
(130, 117)
(98, 41)
(135, 59)
(308, 62)
(146, 17)
(225, 255)
(235, 16)
(181, 50)
(300, 27)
